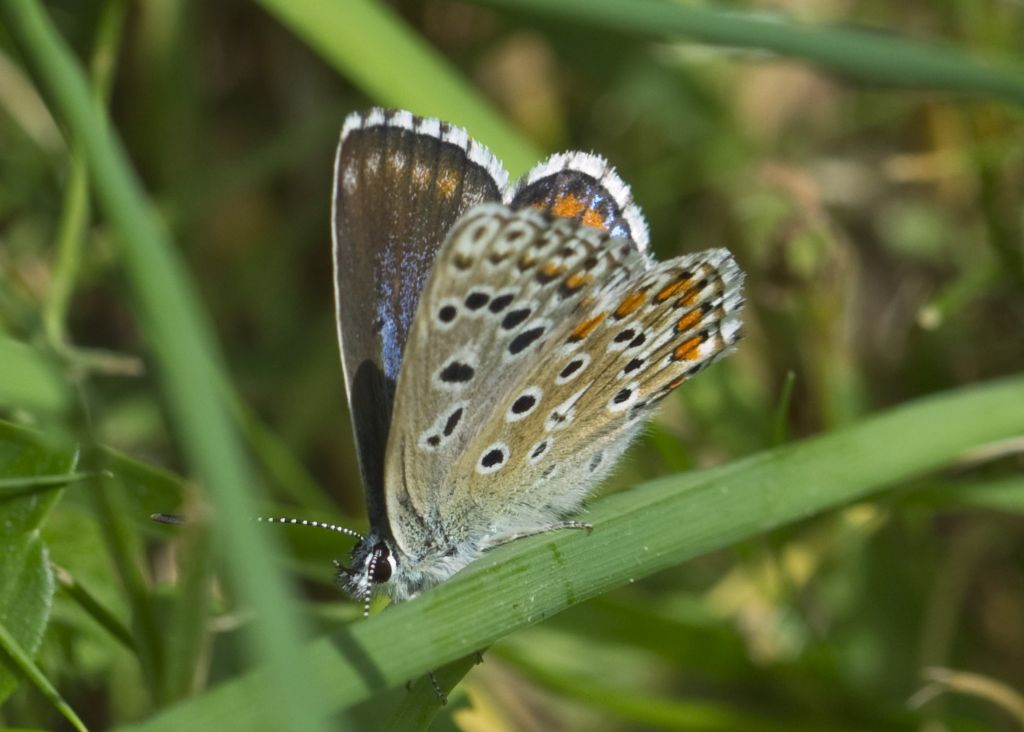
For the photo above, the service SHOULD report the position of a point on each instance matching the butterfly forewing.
(400, 184)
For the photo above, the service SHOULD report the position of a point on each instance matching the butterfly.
(501, 344)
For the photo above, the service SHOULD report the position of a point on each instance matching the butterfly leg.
(543, 530)
(442, 697)
(435, 684)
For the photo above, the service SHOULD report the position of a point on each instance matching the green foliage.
(817, 530)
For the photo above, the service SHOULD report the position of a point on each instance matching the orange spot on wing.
(689, 298)
(675, 382)
(447, 182)
(688, 321)
(568, 206)
(587, 327)
(671, 290)
(687, 350)
(551, 269)
(631, 304)
(593, 218)
(577, 280)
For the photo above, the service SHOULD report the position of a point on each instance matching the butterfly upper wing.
(400, 183)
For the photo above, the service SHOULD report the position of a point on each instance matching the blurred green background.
(867, 174)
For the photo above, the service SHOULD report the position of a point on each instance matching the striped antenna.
(310, 522)
(177, 520)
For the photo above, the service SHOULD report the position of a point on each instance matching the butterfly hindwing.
(591, 385)
(584, 188)
(401, 182)
(504, 285)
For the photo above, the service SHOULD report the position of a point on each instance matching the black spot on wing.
(500, 303)
(525, 339)
(453, 422)
(457, 372)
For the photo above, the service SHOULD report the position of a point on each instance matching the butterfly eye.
(382, 563)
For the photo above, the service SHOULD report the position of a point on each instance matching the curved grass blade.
(20, 658)
(19, 487)
(871, 56)
(636, 533)
(369, 44)
(94, 608)
(184, 347)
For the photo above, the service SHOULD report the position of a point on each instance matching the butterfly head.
(373, 562)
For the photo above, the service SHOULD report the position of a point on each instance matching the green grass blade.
(23, 661)
(32, 484)
(636, 533)
(865, 55)
(108, 497)
(185, 351)
(1005, 495)
(369, 44)
(75, 210)
(658, 712)
(94, 608)
(187, 624)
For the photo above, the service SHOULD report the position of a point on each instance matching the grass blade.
(94, 608)
(24, 663)
(865, 55)
(369, 44)
(75, 210)
(185, 350)
(636, 533)
(31, 484)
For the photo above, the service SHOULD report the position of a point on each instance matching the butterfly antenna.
(310, 522)
(368, 595)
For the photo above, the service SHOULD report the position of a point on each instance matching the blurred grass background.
(880, 225)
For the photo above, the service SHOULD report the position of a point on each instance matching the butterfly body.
(502, 345)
